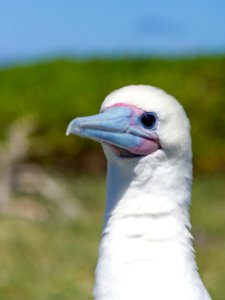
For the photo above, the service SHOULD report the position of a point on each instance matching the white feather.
(146, 249)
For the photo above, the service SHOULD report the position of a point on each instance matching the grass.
(56, 259)
(208, 216)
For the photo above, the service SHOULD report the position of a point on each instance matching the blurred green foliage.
(55, 92)
(55, 260)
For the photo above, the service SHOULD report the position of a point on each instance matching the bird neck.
(146, 232)
(154, 186)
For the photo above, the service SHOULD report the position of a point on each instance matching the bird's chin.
(123, 153)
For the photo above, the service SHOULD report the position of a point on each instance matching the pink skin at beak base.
(149, 145)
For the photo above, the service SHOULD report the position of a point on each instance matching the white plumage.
(146, 249)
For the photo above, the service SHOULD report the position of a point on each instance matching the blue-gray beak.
(114, 126)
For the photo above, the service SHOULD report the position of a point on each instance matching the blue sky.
(34, 29)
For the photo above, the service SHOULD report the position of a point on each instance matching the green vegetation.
(56, 259)
(55, 92)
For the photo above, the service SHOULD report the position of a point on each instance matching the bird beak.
(114, 126)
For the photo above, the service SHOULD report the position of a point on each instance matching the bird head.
(136, 122)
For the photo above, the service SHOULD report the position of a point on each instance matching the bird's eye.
(149, 120)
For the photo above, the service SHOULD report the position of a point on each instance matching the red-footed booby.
(146, 250)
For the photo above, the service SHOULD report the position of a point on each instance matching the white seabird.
(146, 250)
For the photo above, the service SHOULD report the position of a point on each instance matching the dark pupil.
(148, 120)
